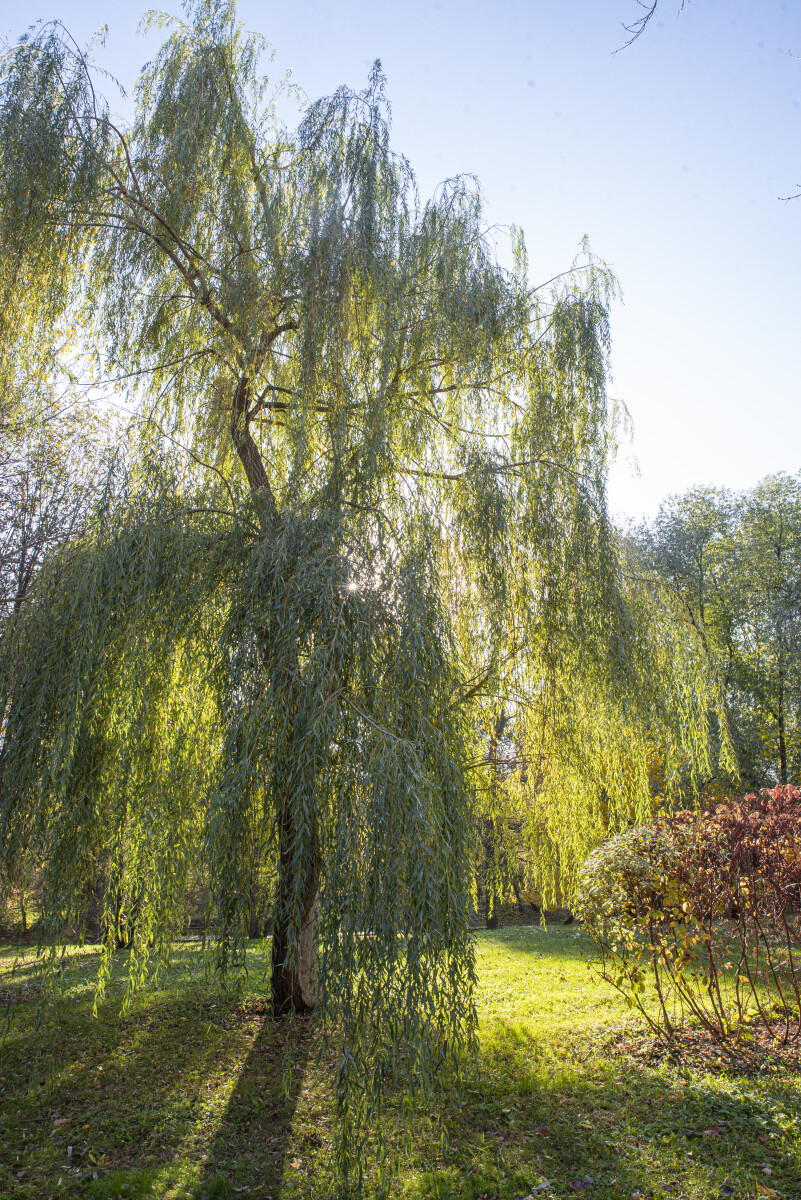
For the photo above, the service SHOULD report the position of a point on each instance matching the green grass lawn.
(189, 1095)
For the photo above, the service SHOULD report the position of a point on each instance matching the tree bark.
(249, 454)
(91, 918)
(293, 986)
(782, 740)
(782, 753)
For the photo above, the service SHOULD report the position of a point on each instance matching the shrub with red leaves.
(714, 921)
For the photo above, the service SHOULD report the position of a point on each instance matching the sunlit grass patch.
(540, 974)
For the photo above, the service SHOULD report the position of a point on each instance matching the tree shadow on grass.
(195, 1093)
(191, 1092)
(255, 1143)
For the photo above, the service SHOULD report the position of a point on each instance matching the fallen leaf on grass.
(764, 1190)
(543, 1131)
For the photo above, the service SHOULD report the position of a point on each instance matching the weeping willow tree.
(389, 527)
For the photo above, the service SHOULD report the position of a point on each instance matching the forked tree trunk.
(293, 986)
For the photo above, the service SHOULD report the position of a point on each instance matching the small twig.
(637, 28)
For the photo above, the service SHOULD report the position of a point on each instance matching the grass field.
(189, 1095)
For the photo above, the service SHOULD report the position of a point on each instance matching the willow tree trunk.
(293, 983)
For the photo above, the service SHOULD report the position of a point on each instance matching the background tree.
(734, 561)
(53, 464)
(55, 455)
(762, 565)
(393, 528)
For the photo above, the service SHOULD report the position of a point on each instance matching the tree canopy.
(366, 519)
(734, 560)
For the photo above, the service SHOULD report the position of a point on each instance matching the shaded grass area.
(195, 1093)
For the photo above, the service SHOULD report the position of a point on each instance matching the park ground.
(193, 1093)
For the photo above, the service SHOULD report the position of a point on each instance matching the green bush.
(625, 879)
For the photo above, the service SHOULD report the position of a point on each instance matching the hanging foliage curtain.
(389, 527)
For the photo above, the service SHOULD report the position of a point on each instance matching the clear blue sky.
(670, 156)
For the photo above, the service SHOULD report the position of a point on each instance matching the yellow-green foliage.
(392, 527)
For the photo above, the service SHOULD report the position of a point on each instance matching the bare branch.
(637, 28)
